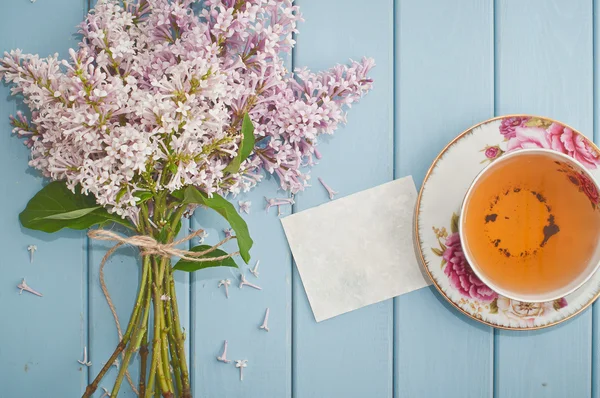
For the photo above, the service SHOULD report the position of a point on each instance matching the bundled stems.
(168, 375)
(163, 367)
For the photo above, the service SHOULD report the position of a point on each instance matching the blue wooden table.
(442, 66)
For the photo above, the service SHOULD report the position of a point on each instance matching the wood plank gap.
(292, 273)
(494, 23)
(395, 130)
(86, 280)
(595, 308)
(192, 316)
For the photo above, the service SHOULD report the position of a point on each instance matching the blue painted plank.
(216, 318)
(444, 84)
(42, 338)
(350, 355)
(544, 60)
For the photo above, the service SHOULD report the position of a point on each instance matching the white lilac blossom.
(265, 324)
(226, 283)
(330, 191)
(85, 360)
(244, 206)
(244, 282)
(223, 356)
(31, 249)
(254, 271)
(241, 364)
(278, 202)
(152, 100)
(23, 286)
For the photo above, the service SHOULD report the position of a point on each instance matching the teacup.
(530, 225)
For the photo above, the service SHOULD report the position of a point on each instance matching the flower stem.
(143, 364)
(131, 348)
(152, 379)
(179, 339)
(143, 343)
(156, 389)
(89, 391)
(175, 362)
(138, 326)
(158, 340)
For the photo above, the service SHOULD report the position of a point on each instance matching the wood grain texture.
(350, 355)
(41, 339)
(216, 318)
(444, 85)
(442, 66)
(544, 60)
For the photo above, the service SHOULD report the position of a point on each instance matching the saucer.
(438, 209)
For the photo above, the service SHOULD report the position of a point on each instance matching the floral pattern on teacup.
(583, 182)
(532, 132)
(463, 279)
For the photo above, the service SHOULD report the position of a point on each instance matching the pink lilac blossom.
(461, 275)
(154, 96)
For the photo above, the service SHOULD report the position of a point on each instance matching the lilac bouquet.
(163, 107)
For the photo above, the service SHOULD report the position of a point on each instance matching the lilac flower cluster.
(154, 96)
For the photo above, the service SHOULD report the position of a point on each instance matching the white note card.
(357, 250)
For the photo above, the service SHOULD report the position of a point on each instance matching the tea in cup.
(530, 225)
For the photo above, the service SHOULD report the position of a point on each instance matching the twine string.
(149, 246)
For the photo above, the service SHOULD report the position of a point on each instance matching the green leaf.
(143, 196)
(72, 214)
(172, 168)
(436, 251)
(120, 194)
(219, 204)
(191, 266)
(164, 232)
(55, 207)
(246, 146)
(444, 262)
(494, 306)
(454, 223)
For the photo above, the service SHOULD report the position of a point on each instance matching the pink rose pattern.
(461, 275)
(509, 124)
(492, 152)
(557, 137)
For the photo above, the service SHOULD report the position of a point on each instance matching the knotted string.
(149, 246)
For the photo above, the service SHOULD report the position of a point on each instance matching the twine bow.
(150, 246)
